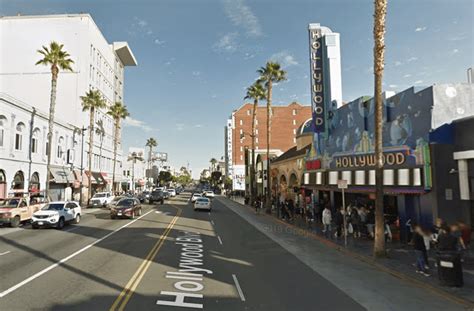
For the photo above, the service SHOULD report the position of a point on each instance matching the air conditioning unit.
(70, 156)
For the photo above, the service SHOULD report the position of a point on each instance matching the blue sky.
(196, 57)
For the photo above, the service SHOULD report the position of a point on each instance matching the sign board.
(342, 184)
(317, 88)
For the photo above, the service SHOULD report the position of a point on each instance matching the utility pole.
(83, 129)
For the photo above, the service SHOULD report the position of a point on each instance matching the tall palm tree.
(380, 8)
(100, 130)
(118, 112)
(271, 73)
(213, 162)
(256, 92)
(91, 102)
(55, 57)
(150, 143)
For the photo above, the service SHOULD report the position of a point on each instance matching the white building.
(97, 65)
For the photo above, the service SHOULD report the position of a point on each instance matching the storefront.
(60, 187)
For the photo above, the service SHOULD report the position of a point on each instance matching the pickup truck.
(18, 209)
(101, 199)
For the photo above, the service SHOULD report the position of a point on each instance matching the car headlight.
(6, 215)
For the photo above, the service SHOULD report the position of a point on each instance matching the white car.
(202, 203)
(172, 192)
(101, 199)
(208, 194)
(57, 214)
(195, 197)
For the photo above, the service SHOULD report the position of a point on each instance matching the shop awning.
(62, 175)
(93, 180)
(99, 178)
(77, 181)
(358, 189)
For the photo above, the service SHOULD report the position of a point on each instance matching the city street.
(153, 261)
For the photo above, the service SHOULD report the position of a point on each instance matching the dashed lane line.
(239, 290)
(219, 238)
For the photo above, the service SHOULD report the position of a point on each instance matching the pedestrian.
(465, 233)
(363, 220)
(339, 222)
(291, 209)
(371, 222)
(355, 222)
(419, 246)
(257, 205)
(327, 219)
(446, 241)
(427, 239)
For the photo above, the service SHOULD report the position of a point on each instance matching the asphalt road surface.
(171, 258)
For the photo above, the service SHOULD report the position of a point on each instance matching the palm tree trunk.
(91, 147)
(252, 167)
(52, 107)
(379, 51)
(116, 131)
(269, 105)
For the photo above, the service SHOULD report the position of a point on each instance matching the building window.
(256, 122)
(241, 158)
(241, 131)
(248, 112)
(360, 177)
(388, 177)
(294, 122)
(3, 122)
(372, 177)
(241, 148)
(241, 122)
(417, 177)
(404, 177)
(34, 140)
(256, 131)
(59, 150)
(319, 178)
(294, 140)
(256, 140)
(294, 112)
(333, 176)
(19, 136)
(294, 131)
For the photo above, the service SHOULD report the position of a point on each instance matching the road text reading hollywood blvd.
(190, 275)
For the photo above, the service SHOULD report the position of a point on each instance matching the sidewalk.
(400, 260)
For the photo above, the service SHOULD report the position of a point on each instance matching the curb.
(372, 261)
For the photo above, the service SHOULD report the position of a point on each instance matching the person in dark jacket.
(446, 241)
(420, 249)
(339, 220)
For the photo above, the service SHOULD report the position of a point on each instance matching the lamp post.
(252, 167)
(83, 129)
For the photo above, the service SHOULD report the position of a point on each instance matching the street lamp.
(83, 129)
(252, 167)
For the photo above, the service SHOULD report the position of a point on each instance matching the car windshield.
(126, 202)
(99, 195)
(53, 206)
(116, 199)
(9, 203)
(196, 195)
(156, 193)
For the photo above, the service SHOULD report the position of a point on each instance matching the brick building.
(285, 122)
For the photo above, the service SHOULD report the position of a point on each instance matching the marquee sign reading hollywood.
(317, 88)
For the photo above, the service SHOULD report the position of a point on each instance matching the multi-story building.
(285, 121)
(98, 65)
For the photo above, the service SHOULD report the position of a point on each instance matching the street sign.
(342, 184)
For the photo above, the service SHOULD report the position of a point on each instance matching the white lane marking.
(219, 238)
(212, 222)
(465, 270)
(38, 274)
(4, 253)
(237, 285)
(158, 212)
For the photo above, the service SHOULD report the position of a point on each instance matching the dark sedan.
(126, 208)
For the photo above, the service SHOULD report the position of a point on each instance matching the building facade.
(98, 65)
(285, 121)
(134, 170)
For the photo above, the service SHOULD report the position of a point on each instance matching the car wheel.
(60, 224)
(77, 219)
(112, 217)
(34, 226)
(15, 222)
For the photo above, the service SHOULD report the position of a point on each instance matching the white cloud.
(213, 96)
(248, 56)
(227, 43)
(284, 58)
(392, 86)
(398, 63)
(159, 42)
(131, 122)
(179, 126)
(241, 15)
(418, 29)
(412, 59)
(196, 73)
(418, 82)
(198, 125)
(407, 75)
(455, 51)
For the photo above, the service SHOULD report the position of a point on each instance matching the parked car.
(202, 203)
(142, 196)
(128, 207)
(166, 194)
(156, 196)
(115, 200)
(195, 196)
(172, 192)
(208, 194)
(20, 208)
(101, 199)
(57, 214)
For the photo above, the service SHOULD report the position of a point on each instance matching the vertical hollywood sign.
(317, 95)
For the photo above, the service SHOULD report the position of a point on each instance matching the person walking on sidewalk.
(327, 219)
(257, 205)
(355, 221)
(420, 249)
(340, 222)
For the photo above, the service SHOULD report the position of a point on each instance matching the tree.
(271, 73)
(91, 102)
(213, 162)
(380, 8)
(150, 143)
(118, 112)
(55, 57)
(256, 92)
(100, 130)
(164, 177)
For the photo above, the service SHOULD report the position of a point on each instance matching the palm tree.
(213, 164)
(134, 157)
(271, 73)
(380, 7)
(100, 130)
(118, 112)
(91, 101)
(57, 59)
(150, 143)
(256, 92)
